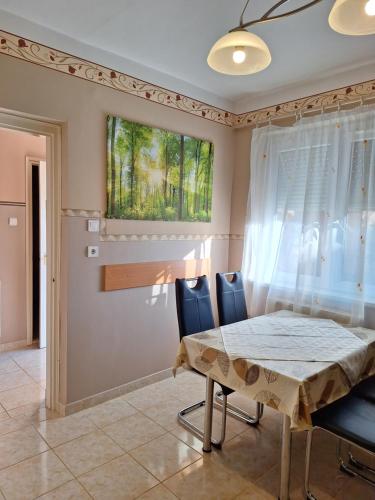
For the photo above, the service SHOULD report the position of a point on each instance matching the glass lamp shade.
(353, 17)
(239, 53)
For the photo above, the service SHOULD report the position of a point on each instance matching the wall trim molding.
(319, 102)
(121, 390)
(103, 236)
(47, 57)
(81, 212)
(36, 53)
(168, 237)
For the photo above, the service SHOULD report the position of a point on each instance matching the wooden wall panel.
(120, 276)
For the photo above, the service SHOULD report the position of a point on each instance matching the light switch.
(93, 225)
(13, 221)
(92, 251)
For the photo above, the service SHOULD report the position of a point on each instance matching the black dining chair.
(194, 313)
(231, 305)
(365, 390)
(352, 420)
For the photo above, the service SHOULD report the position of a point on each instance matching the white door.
(42, 255)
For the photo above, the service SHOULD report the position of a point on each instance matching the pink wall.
(14, 147)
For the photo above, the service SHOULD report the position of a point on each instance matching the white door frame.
(52, 132)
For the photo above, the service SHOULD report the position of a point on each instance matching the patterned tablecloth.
(289, 362)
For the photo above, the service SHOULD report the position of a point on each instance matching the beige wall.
(112, 338)
(240, 189)
(14, 147)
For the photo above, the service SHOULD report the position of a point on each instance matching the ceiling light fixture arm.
(268, 18)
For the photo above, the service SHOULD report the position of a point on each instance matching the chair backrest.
(194, 310)
(231, 301)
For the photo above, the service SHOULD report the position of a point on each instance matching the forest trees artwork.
(154, 174)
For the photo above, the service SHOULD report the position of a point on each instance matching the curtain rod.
(298, 114)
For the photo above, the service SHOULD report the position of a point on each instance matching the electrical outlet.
(92, 251)
(13, 221)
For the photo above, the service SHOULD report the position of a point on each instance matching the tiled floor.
(133, 447)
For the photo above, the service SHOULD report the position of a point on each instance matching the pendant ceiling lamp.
(353, 17)
(240, 52)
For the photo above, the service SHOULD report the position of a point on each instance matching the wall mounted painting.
(155, 174)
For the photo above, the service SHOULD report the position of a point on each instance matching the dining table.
(293, 363)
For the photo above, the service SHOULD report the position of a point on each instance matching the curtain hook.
(269, 121)
(322, 109)
(338, 106)
(362, 101)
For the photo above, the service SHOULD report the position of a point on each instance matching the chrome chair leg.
(358, 464)
(309, 495)
(238, 413)
(199, 432)
(354, 472)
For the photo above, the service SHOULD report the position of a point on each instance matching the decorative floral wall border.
(342, 96)
(27, 50)
(36, 53)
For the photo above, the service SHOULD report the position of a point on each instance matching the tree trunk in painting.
(208, 177)
(181, 179)
(197, 161)
(132, 169)
(113, 167)
(165, 175)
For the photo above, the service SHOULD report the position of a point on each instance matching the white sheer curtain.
(310, 229)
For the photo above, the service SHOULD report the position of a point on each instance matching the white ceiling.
(167, 41)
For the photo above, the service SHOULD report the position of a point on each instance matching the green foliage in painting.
(154, 174)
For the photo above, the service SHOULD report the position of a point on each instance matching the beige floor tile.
(61, 430)
(165, 414)
(148, 397)
(106, 413)
(36, 372)
(355, 489)
(33, 477)
(87, 452)
(13, 424)
(133, 431)
(253, 492)
(187, 437)
(165, 456)
(3, 414)
(68, 491)
(250, 454)
(31, 354)
(7, 365)
(206, 480)
(120, 479)
(31, 393)
(159, 492)
(233, 426)
(19, 445)
(34, 412)
(14, 379)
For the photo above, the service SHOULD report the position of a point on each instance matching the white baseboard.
(101, 397)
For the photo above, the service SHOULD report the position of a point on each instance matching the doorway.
(36, 251)
(43, 327)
